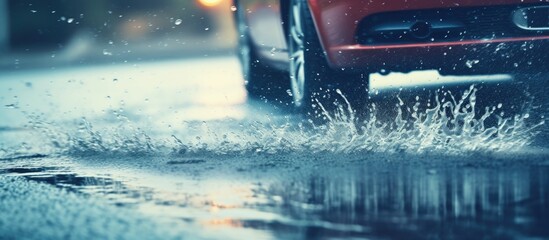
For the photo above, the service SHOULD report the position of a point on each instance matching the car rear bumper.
(339, 25)
(481, 57)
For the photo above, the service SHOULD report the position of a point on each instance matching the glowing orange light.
(209, 3)
(223, 223)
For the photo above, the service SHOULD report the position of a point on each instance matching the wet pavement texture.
(179, 147)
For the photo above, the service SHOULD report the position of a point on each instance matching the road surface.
(175, 149)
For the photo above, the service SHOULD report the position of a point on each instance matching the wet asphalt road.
(176, 150)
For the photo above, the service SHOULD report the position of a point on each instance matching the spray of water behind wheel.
(487, 110)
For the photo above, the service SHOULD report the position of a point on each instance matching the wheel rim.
(297, 54)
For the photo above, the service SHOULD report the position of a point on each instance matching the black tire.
(311, 77)
(261, 80)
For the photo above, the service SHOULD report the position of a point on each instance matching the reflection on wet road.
(179, 143)
(293, 197)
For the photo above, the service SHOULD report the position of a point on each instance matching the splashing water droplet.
(471, 63)
(289, 92)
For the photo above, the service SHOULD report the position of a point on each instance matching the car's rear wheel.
(311, 77)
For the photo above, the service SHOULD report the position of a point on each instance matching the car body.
(366, 36)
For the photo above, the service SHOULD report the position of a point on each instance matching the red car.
(315, 44)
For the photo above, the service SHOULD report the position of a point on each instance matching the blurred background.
(35, 33)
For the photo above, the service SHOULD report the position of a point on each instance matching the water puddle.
(374, 200)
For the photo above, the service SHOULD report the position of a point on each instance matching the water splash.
(450, 125)
(123, 138)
